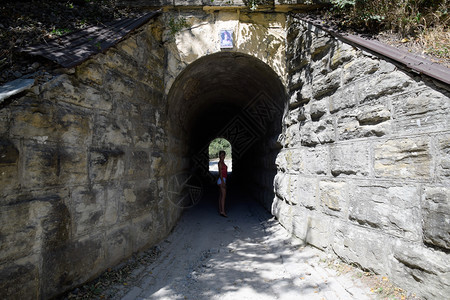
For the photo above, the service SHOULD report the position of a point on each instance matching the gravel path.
(245, 256)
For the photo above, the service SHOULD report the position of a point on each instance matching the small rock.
(35, 65)
(2, 26)
(17, 74)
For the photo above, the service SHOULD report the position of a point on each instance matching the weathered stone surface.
(364, 121)
(71, 264)
(422, 270)
(118, 243)
(43, 164)
(436, 216)
(388, 84)
(350, 159)
(318, 109)
(333, 196)
(358, 68)
(326, 85)
(392, 209)
(315, 161)
(421, 110)
(403, 158)
(321, 132)
(112, 132)
(138, 200)
(74, 125)
(341, 54)
(66, 89)
(9, 169)
(106, 164)
(345, 97)
(370, 249)
(18, 280)
(443, 167)
(313, 229)
(88, 206)
(19, 232)
(33, 119)
(307, 190)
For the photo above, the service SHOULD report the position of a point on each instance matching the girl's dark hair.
(221, 151)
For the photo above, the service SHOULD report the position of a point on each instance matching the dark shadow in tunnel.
(239, 98)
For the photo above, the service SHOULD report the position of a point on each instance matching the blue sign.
(226, 39)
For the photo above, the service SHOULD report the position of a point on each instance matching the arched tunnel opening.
(237, 97)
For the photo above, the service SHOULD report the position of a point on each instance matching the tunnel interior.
(234, 96)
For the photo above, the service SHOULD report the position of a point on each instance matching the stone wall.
(364, 169)
(82, 170)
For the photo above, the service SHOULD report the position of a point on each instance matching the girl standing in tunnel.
(222, 183)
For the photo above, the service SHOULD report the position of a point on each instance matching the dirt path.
(246, 256)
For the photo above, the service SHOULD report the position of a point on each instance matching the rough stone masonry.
(362, 167)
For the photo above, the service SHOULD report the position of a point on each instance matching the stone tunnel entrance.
(239, 98)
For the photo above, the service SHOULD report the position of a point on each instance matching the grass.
(425, 22)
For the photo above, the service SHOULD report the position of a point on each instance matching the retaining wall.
(364, 169)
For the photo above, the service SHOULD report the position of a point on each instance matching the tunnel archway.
(237, 97)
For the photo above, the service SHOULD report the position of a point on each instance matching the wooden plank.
(74, 48)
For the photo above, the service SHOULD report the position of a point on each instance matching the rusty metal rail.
(414, 63)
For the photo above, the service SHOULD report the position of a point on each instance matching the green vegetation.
(424, 21)
(217, 145)
(176, 25)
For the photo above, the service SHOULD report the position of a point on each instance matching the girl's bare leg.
(223, 193)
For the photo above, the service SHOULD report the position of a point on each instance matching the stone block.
(358, 68)
(317, 109)
(368, 249)
(66, 89)
(345, 97)
(307, 190)
(74, 125)
(18, 279)
(341, 54)
(388, 84)
(312, 229)
(321, 132)
(443, 165)
(394, 210)
(333, 197)
(147, 231)
(34, 222)
(42, 164)
(320, 46)
(350, 159)
(88, 209)
(70, 265)
(289, 160)
(421, 111)
(5, 120)
(33, 119)
(118, 244)
(111, 132)
(91, 71)
(138, 200)
(113, 194)
(436, 216)
(314, 161)
(139, 165)
(411, 264)
(326, 85)
(106, 164)
(9, 166)
(403, 158)
(19, 232)
(349, 128)
(73, 166)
